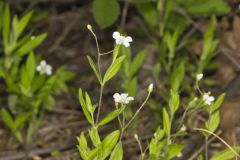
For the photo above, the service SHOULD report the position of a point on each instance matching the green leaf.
(166, 122)
(213, 121)
(177, 76)
(174, 150)
(6, 25)
(21, 25)
(93, 133)
(82, 146)
(1, 13)
(84, 107)
(137, 62)
(174, 102)
(115, 52)
(30, 67)
(7, 119)
(131, 87)
(156, 145)
(104, 150)
(49, 103)
(117, 153)
(92, 64)
(149, 13)
(217, 103)
(20, 120)
(205, 7)
(105, 12)
(113, 69)
(226, 154)
(200, 157)
(111, 116)
(30, 45)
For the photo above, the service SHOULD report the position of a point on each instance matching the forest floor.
(69, 42)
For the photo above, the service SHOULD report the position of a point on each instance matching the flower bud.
(136, 136)
(89, 27)
(199, 76)
(150, 88)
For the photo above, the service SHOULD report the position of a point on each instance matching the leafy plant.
(111, 145)
(29, 82)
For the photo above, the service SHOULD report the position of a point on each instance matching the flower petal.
(128, 39)
(116, 35)
(43, 63)
(126, 44)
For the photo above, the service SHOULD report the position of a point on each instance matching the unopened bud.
(89, 27)
(150, 88)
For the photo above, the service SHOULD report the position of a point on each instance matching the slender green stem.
(119, 119)
(100, 73)
(206, 148)
(141, 149)
(137, 112)
(106, 53)
(99, 103)
(215, 135)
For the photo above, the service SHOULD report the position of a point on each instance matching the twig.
(63, 36)
(124, 15)
(194, 156)
(227, 53)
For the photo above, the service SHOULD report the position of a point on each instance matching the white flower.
(44, 68)
(122, 98)
(183, 128)
(179, 154)
(136, 136)
(199, 76)
(121, 40)
(33, 37)
(150, 87)
(208, 99)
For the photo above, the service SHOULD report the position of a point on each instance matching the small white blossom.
(44, 68)
(208, 99)
(122, 98)
(122, 40)
(33, 37)
(150, 87)
(199, 76)
(179, 154)
(183, 128)
(136, 136)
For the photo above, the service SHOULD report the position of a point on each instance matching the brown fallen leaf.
(230, 121)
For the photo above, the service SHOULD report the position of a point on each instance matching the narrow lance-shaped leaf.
(166, 122)
(218, 102)
(93, 133)
(7, 119)
(84, 107)
(107, 145)
(30, 45)
(137, 62)
(21, 25)
(225, 154)
(20, 120)
(111, 116)
(113, 69)
(6, 25)
(174, 102)
(117, 153)
(213, 121)
(83, 146)
(92, 64)
(30, 67)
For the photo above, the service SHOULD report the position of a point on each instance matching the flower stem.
(99, 103)
(136, 113)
